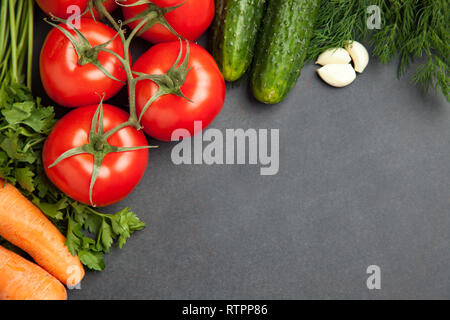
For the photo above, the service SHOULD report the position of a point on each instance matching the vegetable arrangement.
(172, 79)
(410, 29)
(97, 153)
(80, 68)
(24, 126)
(278, 50)
(291, 34)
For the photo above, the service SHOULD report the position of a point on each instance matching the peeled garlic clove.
(337, 75)
(334, 56)
(359, 55)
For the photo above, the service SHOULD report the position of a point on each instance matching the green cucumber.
(282, 48)
(234, 35)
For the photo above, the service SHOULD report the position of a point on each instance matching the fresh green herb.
(24, 126)
(338, 22)
(410, 29)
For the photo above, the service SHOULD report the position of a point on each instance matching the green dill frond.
(410, 29)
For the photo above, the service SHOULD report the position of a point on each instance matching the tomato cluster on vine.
(97, 153)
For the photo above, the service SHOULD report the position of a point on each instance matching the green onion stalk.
(16, 41)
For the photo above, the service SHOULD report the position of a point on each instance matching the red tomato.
(204, 86)
(190, 20)
(60, 8)
(72, 85)
(120, 172)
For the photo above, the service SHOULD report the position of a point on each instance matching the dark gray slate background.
(364, 179)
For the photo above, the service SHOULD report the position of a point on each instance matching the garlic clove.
(359, 55)
(337, 75)
(334, 56)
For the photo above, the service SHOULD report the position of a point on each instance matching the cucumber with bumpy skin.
(282, 48)
(234, 35)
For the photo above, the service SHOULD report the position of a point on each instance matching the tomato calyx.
(154, 14)
(97, 146)
(169, 82)
(86, 53)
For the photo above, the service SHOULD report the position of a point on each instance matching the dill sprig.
(410, 29)
(338, 21)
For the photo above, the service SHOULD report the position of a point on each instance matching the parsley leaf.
(24, 177)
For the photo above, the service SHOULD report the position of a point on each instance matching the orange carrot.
(24, 225)
(21, 279)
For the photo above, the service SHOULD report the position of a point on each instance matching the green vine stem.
(126, 62)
